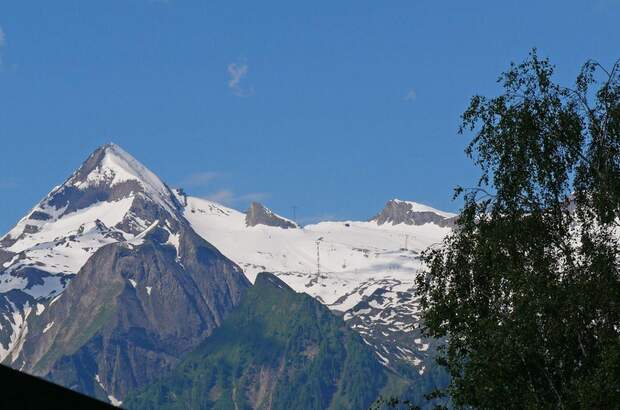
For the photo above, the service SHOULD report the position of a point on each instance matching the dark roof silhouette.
(22, 391)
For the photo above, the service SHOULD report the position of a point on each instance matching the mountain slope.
(337, 262)
(147, 288)
(278, 350)
(365, 270)
(131, 312)
(389, 321)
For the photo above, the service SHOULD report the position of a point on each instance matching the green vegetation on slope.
(278, 350)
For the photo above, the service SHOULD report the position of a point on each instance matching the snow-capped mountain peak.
(111, 166)
(110, 198)
(104, 187)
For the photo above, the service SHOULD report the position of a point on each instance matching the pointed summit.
(397, 212)
(108, 176)
(110, 198)
(112, 167)
(258, 214)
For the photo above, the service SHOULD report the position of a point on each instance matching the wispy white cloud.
(411, 95)
(200, 179)
(237, 72)
(209, 186)
(228, 197)
(223, 196)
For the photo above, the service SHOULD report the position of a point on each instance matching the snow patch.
(40, 308)
(48, 327)
(139, 239)
(20, 331)
(55, 299)
(114, 401)
(385, 361)
(9, 263)
(173, 239)
(109, 213)
(98, 380)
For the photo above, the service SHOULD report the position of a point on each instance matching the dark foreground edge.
(21, 391)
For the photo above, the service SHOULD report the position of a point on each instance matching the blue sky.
(332, 106)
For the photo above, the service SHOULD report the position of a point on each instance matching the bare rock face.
(131, 312)
(411, 213)
(5, 256)
(258, 214)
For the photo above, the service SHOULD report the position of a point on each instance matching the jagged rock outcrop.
(411, 213)
(258, 214)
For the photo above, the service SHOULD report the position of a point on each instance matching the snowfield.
(337, 262)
